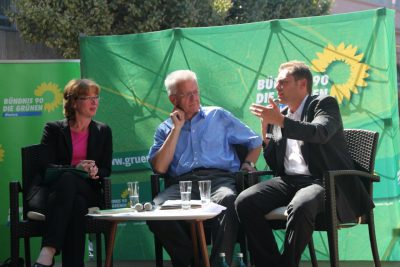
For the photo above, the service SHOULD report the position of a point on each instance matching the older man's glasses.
(89, 98)
(187, 95)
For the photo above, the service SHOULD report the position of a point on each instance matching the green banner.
(352, 58)
(130, 161)
(30, 95)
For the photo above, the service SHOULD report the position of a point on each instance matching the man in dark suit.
(306, 140)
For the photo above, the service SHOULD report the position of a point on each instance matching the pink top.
(79, 146)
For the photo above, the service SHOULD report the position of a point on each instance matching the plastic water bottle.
(223, 262)
(240, 262)
(134, 200)
(91, 249)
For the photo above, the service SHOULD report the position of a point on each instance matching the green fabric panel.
(352, 56)
(30, 95)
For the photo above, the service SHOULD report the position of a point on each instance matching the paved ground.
(303, 264)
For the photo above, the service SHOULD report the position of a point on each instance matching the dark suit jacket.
(57, 138)
(57, 152)
(324, 148)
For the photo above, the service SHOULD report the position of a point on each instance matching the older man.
(307, 139)
(197, 143)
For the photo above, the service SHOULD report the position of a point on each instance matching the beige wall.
(13, 47)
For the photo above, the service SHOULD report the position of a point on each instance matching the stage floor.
(302, 264)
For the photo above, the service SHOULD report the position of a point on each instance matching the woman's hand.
(93, 172)
(90, 167)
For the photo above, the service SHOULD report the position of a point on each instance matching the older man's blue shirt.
(206, 141)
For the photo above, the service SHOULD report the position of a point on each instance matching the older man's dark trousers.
(304, 197)
(175, 235)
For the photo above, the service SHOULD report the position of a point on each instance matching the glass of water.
(133, 190)
(186, 191)
(205, 191)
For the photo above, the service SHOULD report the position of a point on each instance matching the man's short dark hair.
(299, 70)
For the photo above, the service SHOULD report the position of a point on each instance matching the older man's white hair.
(176, 77)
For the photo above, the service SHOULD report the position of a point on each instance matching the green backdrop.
(353, 59)
(30, 95)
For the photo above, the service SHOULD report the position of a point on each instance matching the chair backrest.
(241, 151)
(34, 160)
(362, 146)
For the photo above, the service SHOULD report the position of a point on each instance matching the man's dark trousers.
(175, 235)
(304, 197)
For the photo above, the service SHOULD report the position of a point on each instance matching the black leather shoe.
(36, 264)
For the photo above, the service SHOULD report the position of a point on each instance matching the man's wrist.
(282, 121)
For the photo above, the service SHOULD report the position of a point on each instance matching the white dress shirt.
(294, 161)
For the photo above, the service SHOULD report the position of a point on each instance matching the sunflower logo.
(1, 153)
(340, 58)
(124, 193)
(54, 90)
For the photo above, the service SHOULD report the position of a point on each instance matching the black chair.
(32, 222)
(362, 146)
(158, 179)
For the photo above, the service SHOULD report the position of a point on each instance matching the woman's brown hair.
(73, 90)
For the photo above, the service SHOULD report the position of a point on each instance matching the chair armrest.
(361, 174)
(155, 184)
(239, 177)
(15, 188)
(107, 192)
(330, 192)
(254, 177)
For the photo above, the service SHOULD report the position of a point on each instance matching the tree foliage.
(244, 11)
(59, 23)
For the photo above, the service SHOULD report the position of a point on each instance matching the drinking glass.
(133, 190)
(186, 191)
(205, 191)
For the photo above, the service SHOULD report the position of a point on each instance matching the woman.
(77, 141)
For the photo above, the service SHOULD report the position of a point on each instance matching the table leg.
(203, 244)
(194, 243)
(110, 245)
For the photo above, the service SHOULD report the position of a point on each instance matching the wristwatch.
(250, 163)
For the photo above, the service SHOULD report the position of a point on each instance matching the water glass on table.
(186, 191)
(205, 191)
(133, 190)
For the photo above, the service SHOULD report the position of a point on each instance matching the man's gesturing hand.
(269, 114)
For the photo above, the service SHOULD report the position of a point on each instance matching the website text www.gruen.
(129, 161)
